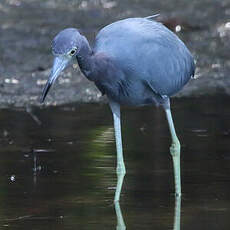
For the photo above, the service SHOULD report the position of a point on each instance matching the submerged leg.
(174, 149)
(177, 213)
(115, 107)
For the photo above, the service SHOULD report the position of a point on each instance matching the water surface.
(73, 184)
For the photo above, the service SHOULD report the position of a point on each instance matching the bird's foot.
(120, 177)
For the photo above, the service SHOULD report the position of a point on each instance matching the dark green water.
(73, 186)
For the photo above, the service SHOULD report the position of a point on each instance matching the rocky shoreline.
(26, 59)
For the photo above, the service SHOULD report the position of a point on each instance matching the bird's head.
(65, 47)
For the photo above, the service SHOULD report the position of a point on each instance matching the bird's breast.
(129, 93)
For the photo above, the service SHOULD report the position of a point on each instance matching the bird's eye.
(73, 51)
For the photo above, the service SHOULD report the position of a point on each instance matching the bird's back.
(147, 53)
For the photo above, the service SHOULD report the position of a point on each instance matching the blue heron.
(135, 62)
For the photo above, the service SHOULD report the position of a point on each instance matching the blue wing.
(147, 53)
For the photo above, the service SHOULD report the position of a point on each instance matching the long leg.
(115, 107)
(174, 149)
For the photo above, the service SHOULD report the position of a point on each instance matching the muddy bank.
(28, 26)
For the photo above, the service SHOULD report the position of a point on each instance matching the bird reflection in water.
(177, 215)
(120, 220)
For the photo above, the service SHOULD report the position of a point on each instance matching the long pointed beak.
(59, 64)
